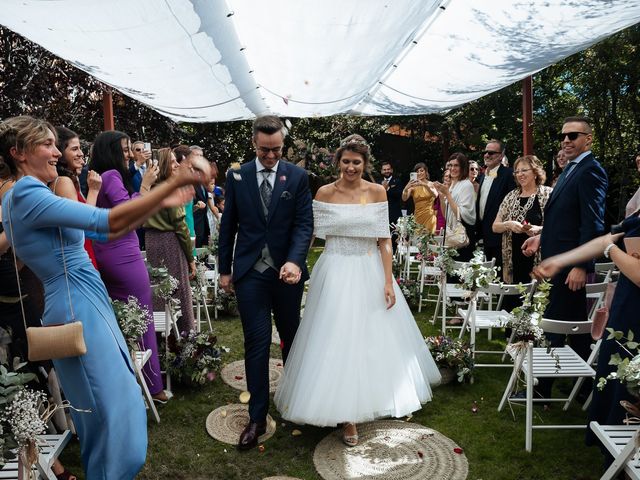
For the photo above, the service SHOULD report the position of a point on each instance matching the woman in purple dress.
(120, 262)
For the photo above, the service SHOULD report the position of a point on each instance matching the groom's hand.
(226, 284)
(290, 273)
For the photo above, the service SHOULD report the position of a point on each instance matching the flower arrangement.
(314, 159)
(406, 226)
(133, 320)
(410, 289)
(444, 259)
(628, 368)
(194, 357)
(474, 274)
(451, 353)
(226, 302)
(525, 319)
(11, 383)
(162, 283)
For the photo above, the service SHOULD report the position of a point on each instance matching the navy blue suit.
(574, 214)
(502, 184)
(287, 231)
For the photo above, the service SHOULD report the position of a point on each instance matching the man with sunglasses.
(495, 183)
(265, 233)
(574, 214)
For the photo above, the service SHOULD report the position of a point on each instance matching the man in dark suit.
(268, 214)
(495, 183)
(393, 185)
(200, 221)
(574, 214)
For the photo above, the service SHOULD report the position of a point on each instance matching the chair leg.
(574, 392)
(585, 407)
(529, 413)
(512, 381)
(620, 460)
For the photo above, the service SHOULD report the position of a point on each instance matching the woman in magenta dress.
(120, 261)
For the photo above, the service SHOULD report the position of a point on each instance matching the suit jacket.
(286, 231)
(200, 222)
(574, 213)
(394, 198)
(501, 185)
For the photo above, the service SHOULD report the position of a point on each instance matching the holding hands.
(290, 273)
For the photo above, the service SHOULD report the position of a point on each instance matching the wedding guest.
(66, 184)
(474, 170)
(368, 325)
(101, 381)
(200, 209)
(520, 216)
(437, 204)
(458, 201)
(634, 203)
(606, 406)
(560, 163)
(169, 245)
(182, 153)
(120, 261)
(423, 194)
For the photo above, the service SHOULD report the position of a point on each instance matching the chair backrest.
(502, 290)
(565, 328)
(600, 287)
(605, 270)
(488, 264)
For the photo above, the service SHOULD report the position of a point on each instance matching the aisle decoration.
(451, 354)
(474, 275)
(627, 369)
(133, 320)
(194, 358)
(525, 319)
(162, 283)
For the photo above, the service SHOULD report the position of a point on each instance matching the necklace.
(520, 211)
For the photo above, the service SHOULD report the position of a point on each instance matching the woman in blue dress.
(623, 316)
(113, 433)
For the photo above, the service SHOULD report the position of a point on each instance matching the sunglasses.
(572, 135)
(490, 152)
(473, 168)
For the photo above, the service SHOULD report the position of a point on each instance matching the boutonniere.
(283, 178)
(237, 177)
(286, 195)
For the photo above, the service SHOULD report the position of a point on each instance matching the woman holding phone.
(423, 194)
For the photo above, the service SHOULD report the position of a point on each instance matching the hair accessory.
(354, 139)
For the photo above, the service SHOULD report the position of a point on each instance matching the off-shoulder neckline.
(355, 204)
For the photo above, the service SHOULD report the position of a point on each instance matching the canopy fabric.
(216, 60)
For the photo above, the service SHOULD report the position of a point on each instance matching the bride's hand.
(389, 295)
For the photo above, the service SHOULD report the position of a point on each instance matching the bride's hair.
(353, 143)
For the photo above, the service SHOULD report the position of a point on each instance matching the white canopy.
(216, 60)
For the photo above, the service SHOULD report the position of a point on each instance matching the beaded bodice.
(351, 229)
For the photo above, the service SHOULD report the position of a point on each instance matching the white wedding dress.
(353, 360)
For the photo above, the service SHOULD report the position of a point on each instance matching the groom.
(268, 208)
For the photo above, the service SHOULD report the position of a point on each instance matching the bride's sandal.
(350, 440)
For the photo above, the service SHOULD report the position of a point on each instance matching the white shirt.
(485, 188)
(634, 203)
(260, 176)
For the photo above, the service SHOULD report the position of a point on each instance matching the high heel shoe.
(349, 440)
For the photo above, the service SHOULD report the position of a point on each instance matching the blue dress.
(113, 436)
(623, 316)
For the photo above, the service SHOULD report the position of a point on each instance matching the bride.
(358, 354)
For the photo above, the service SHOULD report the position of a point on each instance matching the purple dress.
(124, 273)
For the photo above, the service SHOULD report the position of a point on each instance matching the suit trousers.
(258, 295)
(570, 306)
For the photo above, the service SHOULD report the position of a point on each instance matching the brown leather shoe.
(250, 434)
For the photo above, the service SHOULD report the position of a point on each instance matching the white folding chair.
(621, 441)
(475, 320)
(537, 362)
(140, 359)
(50, 447)
(453, 291)
(164, 323)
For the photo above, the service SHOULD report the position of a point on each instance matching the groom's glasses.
(265, 150)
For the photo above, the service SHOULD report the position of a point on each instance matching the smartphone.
(147, 147)
(413, 176)
(155, 162)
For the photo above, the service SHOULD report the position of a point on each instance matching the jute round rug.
(233, 374)
(280, 478)
(227, 422)
(391, 450)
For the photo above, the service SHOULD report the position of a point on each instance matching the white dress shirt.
(485, 188)
(260, 176)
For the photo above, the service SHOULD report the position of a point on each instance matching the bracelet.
(607, 250)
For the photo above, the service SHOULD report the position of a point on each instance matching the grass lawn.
(180, 448)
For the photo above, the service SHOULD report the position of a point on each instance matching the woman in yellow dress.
(423, 193)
